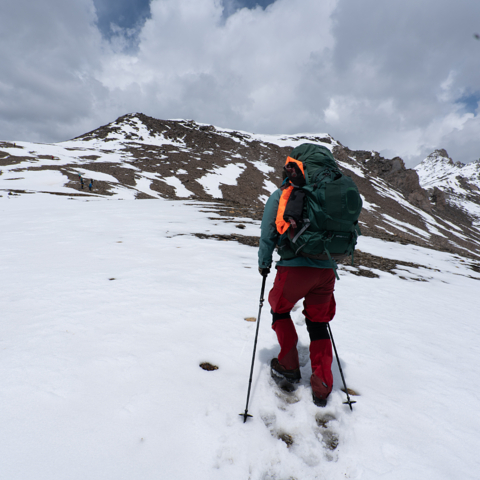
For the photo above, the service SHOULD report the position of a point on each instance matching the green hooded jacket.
(312, 156)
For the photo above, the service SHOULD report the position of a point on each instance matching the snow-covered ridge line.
(113, 143)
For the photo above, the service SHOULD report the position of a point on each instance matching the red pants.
(316, 286)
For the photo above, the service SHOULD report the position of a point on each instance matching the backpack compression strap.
(282, 225)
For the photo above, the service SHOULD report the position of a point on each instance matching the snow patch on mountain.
(180, 190)
(356, 169)
(405, 226)
(221, 176)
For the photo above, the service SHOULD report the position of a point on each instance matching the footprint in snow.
(325, 432)
(270, 421)
(322, 427)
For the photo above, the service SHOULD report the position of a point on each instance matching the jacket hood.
(314, 156)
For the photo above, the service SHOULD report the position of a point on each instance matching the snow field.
(108, 308)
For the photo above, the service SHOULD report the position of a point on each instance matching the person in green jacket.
(299, 277)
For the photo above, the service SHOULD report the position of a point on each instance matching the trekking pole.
(348, 402)
(246, 414)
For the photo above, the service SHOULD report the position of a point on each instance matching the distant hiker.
(81, 181)
(90, 185)
(290, 223)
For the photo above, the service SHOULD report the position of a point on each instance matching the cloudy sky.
(400, 76)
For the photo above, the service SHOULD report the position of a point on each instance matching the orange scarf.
(282, 225)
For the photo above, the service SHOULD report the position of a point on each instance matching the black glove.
(264, 271)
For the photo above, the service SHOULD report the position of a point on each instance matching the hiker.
(90, 185)
(298, 276)
(81, 181)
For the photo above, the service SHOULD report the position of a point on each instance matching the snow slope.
(109, 307)
(139, 157)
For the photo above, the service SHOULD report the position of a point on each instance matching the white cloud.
(376, 75)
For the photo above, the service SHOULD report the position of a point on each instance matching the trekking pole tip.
(349, 403)
(245, 416)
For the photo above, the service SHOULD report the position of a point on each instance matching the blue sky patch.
(254, 3)
(122, 13)
(128, 14)
(470, 102)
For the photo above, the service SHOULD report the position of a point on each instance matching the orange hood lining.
(298, 162)
(282, 225)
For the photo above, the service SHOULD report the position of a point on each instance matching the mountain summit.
(452, 183)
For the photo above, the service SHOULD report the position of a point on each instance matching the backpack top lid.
(314, 156)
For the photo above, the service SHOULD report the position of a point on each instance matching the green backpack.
(330, 205)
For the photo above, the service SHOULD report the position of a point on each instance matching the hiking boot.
(279, 372)
(319, 402)
(320, 391)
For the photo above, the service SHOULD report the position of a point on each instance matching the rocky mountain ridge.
(139, 157)
(451, 183)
